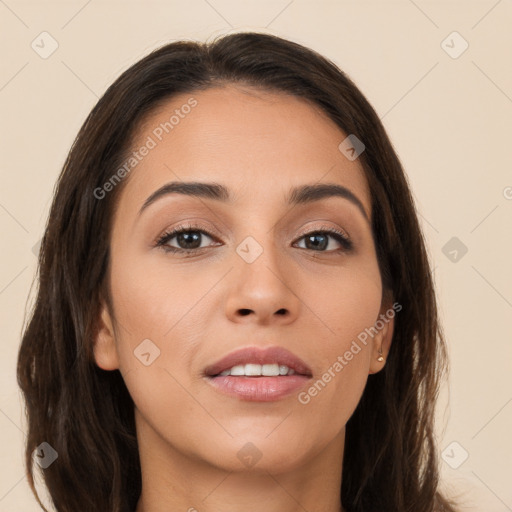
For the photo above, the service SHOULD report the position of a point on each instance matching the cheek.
(346, 304)
(159, 303)
(347, 307)
(168, 308)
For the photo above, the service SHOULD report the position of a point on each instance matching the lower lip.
(258, 389)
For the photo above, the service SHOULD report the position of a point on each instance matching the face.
(293, 278)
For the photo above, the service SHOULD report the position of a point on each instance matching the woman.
(235, 306)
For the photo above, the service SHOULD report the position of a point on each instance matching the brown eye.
(187, 239)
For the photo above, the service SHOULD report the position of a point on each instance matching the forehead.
(259, 144)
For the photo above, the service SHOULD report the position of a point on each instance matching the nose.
(263, 291)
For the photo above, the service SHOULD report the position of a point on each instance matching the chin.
(274, 453)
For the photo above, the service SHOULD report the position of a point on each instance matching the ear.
(384, 325)
(105, 352)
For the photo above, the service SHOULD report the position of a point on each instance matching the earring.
(380, 358)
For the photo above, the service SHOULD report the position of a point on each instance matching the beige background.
(450, 120)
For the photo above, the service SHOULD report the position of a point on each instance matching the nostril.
(245, 312)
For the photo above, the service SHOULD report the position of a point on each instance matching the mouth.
(256, 374)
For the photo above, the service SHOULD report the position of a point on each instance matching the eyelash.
(162, 241)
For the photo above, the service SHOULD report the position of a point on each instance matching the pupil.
(314, 243)
(191, 241)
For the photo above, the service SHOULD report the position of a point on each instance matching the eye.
(318, 240)
(188, 239)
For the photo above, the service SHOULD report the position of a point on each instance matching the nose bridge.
(261, 285)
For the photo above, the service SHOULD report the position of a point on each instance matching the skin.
(191, 307)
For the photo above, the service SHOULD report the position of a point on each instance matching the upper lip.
(271, 355)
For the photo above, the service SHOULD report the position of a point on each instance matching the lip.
(259, 389)
(257, 355)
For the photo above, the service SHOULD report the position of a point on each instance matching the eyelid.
(170, 233)
(334, 232)
(340, 235)
(325, 227)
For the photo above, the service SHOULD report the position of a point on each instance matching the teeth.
(253, 370)
(258, 370)
(238, 370)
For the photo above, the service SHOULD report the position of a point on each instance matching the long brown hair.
(86, 414)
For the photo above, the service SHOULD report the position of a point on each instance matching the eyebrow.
(303, 194)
